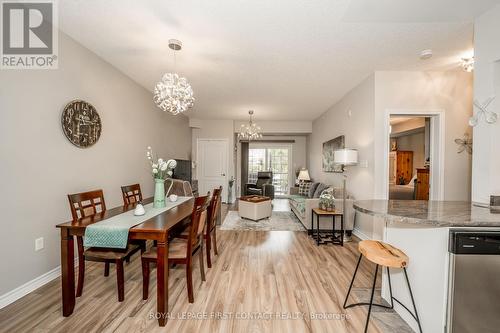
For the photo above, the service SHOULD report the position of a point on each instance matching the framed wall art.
(328, 148)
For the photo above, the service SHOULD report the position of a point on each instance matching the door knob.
(223, 174)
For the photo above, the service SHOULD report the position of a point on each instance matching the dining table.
(156, 229)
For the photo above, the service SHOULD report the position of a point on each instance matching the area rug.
(283, 221)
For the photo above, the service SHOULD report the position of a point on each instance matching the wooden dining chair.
(181, 251)
(210, 235)
(131, 194)
(88, 204)
(211, 230)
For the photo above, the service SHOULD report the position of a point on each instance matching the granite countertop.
(431, 213)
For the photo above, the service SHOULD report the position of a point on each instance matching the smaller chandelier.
(173, 93)
(250, 131)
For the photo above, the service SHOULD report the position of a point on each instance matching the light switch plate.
(39, 244)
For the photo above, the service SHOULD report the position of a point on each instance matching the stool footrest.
(364, 303)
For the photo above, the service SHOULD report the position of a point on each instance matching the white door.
(212, 166)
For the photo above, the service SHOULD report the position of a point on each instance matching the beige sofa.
(302, 207)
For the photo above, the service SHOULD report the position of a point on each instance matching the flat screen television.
(182, 170)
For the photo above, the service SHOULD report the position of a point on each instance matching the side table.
(320, 239)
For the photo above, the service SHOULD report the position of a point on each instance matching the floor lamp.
(346, 157)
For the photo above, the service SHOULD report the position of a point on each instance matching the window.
(275, 159)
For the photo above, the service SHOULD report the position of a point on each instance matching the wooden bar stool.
(386, 255)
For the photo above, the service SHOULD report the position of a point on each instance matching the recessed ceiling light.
(426, 54)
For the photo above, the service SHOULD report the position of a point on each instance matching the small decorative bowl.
(173, 197)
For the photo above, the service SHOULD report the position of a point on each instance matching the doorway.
(432, 124)
(409, 157)
(211, 170)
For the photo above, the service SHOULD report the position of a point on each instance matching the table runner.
(113, 232)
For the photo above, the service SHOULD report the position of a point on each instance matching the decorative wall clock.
(81, 123)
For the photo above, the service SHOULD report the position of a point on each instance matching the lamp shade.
(304, 175)
(346, 156)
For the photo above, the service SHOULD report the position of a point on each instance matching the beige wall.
(486, 137)
(40, 166)
(419, 91)
(352, 117)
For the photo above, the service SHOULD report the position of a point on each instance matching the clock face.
(81, 123)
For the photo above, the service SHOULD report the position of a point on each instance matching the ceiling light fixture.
(173, 93)
(426, 54)
(251, 131)
(468, 64)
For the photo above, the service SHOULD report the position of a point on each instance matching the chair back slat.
(213, 209)
(131, 194)
(86, 204)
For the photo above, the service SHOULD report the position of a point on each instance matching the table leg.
(317, 229)
(67, 272)
(162, 281)
(342, 230)
(333, 228)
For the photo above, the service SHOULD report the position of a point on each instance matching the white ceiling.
(286, 59)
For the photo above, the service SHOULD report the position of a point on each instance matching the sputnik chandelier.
(173, 93)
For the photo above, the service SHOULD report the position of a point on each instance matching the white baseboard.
(360, 235)
(30, 286)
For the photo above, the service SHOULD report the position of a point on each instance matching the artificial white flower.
(155, 171)
(155, 166)
(149, 147)
(170, 173)
(164, 167)
(171, 164)
(160, 161)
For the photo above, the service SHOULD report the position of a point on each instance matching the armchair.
(264, 185)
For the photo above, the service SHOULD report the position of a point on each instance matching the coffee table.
(254, 207)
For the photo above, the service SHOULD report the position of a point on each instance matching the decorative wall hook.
(490, 116)
(464, 144)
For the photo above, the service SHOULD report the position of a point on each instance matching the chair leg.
(208, 240)
(371, 299)
(412, 300)
(189, 280)
(145, 279)
(352, 281)
(202, 264)
(106, 269)
(81, 266)
(127, 259)
(215, 242)
(120, 280)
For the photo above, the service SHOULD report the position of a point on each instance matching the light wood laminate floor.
(260, 274)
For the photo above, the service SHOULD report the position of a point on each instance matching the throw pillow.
(319, 189)
(312, 189)
(304, 188)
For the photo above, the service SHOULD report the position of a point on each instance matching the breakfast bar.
(422, 230)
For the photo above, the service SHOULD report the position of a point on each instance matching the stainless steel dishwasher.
(474, 282)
